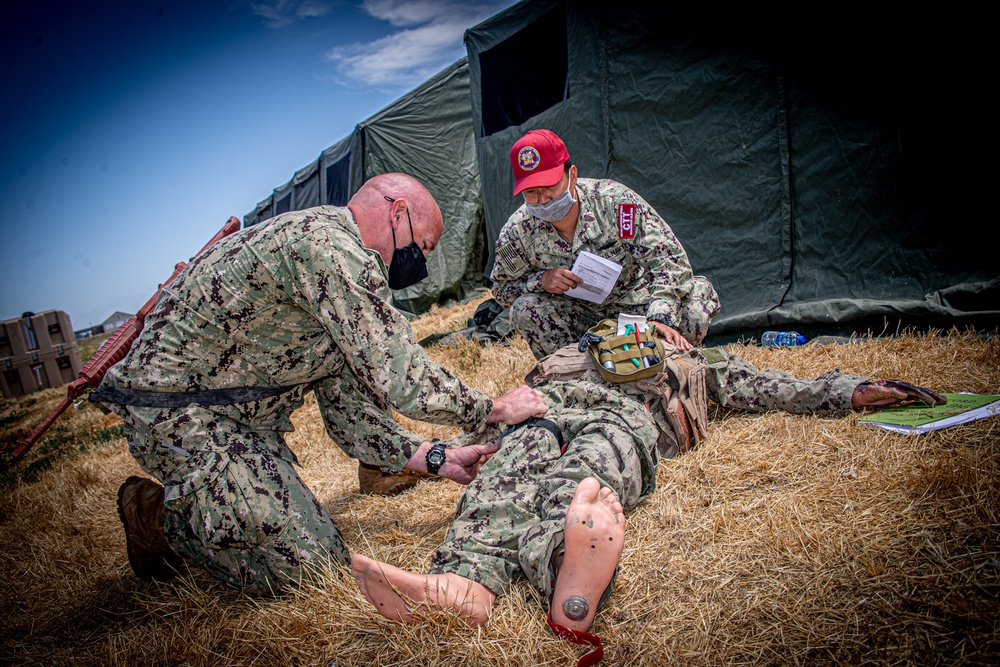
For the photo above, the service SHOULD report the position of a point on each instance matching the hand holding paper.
(599, 276)
(559, 280)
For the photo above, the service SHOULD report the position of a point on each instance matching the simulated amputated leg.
(512, 518)
(593, 539)
(395, 592)
(606, 446)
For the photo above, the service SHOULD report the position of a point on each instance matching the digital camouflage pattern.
(656, 276)
(234, 507)
(295, 302)
(510, 519)
(734, 382)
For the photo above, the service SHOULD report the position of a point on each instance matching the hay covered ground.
(781, 540)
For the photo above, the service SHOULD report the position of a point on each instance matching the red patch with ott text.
(626, 221)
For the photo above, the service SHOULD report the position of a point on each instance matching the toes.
(590, 491)
(609, 497)
(587, 490)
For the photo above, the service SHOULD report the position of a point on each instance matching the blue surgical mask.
(553, 210)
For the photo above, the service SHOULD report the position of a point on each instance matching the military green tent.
(426, 133)
(808, 164)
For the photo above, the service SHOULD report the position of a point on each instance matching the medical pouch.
(634, 356)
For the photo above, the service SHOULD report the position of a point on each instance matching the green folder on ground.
(919, 417)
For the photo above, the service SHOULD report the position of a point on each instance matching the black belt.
(540, 422)
(181, 399)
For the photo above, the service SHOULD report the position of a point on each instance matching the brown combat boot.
(374, 482)
(141, 509)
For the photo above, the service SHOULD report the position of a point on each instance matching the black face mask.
(408, 265)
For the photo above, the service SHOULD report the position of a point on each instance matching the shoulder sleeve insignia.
(626, 221)
(511, 259)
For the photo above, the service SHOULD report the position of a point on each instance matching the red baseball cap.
(537, 160)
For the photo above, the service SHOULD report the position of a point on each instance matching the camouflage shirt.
(289, 302)
(656, 276)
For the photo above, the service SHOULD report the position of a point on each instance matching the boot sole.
(149, 566)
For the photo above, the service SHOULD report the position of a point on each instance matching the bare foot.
(393, 591)
(594, 536)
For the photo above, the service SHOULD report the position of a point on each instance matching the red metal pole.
(113, 350)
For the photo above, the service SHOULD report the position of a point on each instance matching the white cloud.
(429, 38)
(401, 13)
(280, 13)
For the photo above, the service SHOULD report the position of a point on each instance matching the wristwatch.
(435, 458)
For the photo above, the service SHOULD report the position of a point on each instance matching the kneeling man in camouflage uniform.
(296, 303)
(563, 216)
(549, 505)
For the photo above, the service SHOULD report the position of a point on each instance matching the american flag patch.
(510, 258)
(626, 221)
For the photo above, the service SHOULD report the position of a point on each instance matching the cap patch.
(528, 158)
(626, 221)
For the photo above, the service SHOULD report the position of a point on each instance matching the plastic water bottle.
(782, 339)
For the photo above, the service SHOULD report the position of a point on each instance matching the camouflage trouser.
(510, 519)
(235, 505)
(736, 383)
(550, 321)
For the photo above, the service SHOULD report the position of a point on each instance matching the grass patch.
(780, 540)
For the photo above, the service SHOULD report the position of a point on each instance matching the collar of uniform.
(587, 228)
(353, 227)
(381, 264)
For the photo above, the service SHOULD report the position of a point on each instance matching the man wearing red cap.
(563, 215)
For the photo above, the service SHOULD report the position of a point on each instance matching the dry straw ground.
(781, 540)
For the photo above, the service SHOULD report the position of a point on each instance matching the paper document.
(599, 276)
(919, 417)
(637, 321)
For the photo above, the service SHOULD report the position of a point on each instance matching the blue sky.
(131, 131)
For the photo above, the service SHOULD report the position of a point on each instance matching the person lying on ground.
(550, 504)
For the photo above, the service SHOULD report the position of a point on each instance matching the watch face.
(435, 458)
